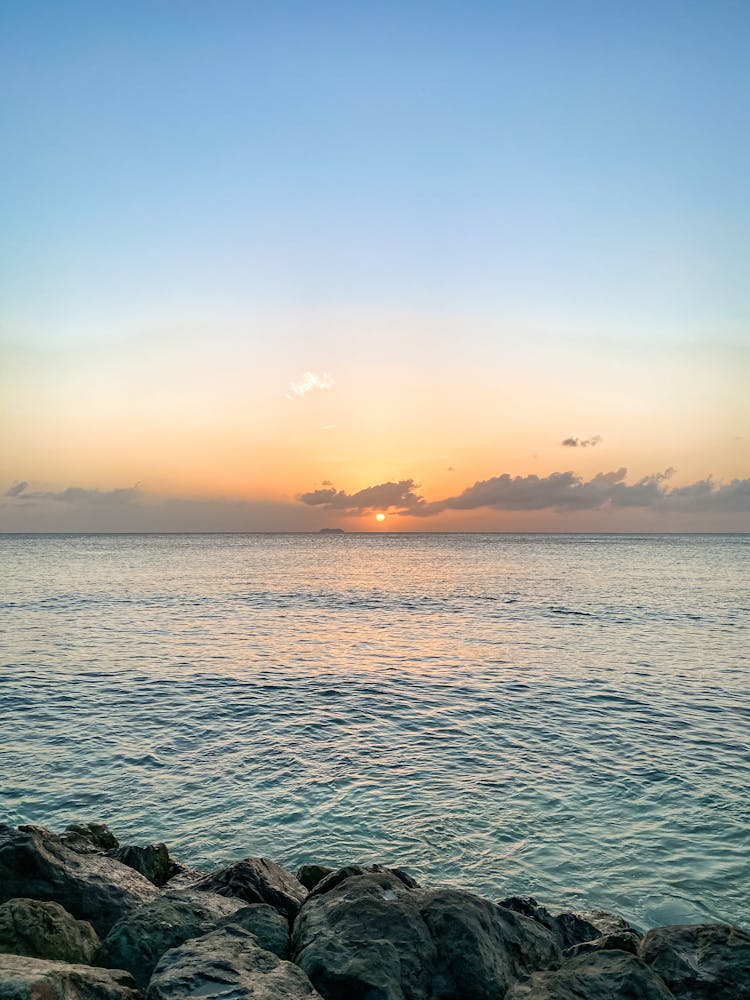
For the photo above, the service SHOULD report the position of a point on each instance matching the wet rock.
(36, 864)
(372, 936)
(608, 923)
(350, 871)
(700, 961)
(184, 877)
(617, 941)
(152, 861)
(602, 975)
(257, 880)
(569, 928)
(363, 937)
(46, 930)
(269, 927)
(310, 875)
(89, 838)
(141, 937)
(227, 963)
(23, 978)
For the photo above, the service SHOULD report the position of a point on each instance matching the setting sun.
(380, 517)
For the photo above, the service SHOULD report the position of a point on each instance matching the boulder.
(89, 838)
(608, 923)
(46, 930)
(700, 961)
(36, 864)
(227, 963)
(310, 875)
(183, 877)
(23, 978)
(373, 936)
(257, 880)
(139, 939)
(617, 941)
(602, 975)
(269, 927)
(152, 861)
(569, 928)
(349, 871)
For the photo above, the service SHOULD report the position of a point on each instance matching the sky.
(474, 266)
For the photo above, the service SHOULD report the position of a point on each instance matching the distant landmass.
(332, 531)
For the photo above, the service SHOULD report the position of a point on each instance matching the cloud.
(76, 494)
(559, 491)
(308, 382)
(582, 442)
(400, 496)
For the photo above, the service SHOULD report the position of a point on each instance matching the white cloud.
(308, 382)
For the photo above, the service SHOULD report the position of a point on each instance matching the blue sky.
(292, 187)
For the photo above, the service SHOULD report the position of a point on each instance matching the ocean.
(565, 716)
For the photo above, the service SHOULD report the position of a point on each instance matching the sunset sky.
(259, 259)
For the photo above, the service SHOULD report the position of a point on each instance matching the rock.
(227, 963)
(140, 938)
(152, 861)
(569, 928)
(23, 978)
(482, 949)
(310, 875)
(372, 936)
(618, 941)
(700, 961)
(269, 927)
(349, 871)
(46, 930)
(608, 923)
(36, 864)
(89, 838)
(602, 975)
(184, 877)
(257, 880)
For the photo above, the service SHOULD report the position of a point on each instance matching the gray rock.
(700, 961)
(23, 978)
(46, 930)
(257, 880)
(350, 871)
(310, 875)
(617, 941)
(482, 949)
(602, 975)
(141, 937)
(89, 838)
(608, 923)
(269, 927)
(152, 861)
(227, 963)
(569, 928)
(36, 864)
(184, 877)
(372, 936)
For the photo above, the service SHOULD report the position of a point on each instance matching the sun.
(380, 517)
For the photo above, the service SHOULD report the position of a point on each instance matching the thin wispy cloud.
(76, 494)
(16, 489)
(310, 382)
(559, 491)
(574, 442)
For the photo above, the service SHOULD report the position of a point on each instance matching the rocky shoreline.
(83, 917)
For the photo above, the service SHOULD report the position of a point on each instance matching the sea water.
(565, 716)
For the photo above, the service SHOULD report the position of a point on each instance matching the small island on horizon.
(332, 531)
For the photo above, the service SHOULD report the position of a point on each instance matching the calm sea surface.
(565, 716)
